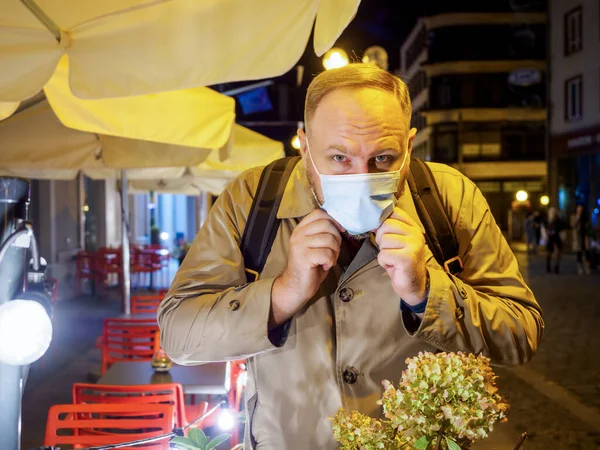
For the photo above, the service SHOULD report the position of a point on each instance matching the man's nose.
(364, 167)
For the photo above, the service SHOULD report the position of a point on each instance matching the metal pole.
(126, 280)
(14, 201)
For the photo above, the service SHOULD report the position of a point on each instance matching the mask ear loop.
(316, 170)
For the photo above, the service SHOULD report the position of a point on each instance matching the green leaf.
(185, 443)
(422, 443)
(451, 444)
(198, 436)
(217, 440)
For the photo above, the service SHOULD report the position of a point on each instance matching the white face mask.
(359, 202)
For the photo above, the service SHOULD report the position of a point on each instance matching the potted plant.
(197, 440)
(443, 401)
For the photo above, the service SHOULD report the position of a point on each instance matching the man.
(323, 325)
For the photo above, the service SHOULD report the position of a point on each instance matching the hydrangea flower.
(447, 396)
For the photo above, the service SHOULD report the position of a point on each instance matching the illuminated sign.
(524, 77)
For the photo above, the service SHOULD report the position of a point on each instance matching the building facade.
(476, 72)
(575, 105)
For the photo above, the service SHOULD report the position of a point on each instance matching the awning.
(135, 47)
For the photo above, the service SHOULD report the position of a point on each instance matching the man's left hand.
(402, 255)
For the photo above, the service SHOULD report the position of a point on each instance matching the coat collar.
(298, 200)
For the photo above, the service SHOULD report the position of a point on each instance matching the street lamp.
(522, 196)
(25, 306)
(545, 200)
(335, 58)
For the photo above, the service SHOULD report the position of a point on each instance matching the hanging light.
(545, 200)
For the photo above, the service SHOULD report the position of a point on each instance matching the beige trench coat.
(337, 352)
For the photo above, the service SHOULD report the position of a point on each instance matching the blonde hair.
(356, 76)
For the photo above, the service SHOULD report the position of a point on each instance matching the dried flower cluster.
(447, 396)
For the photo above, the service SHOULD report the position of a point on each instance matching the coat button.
(346, 294)
(459, 313)
(234, 305)
(350, 375)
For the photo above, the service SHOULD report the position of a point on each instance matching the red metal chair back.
(145, 304)
(169, 393)
(104, 424)
(128, 340)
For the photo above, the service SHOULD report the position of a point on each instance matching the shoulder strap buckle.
(454, 265)
(254, 273)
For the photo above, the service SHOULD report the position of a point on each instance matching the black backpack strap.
(439, 231)
(262, 224)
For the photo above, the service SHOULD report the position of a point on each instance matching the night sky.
(378, 22)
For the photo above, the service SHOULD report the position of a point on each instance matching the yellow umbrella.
(54, 151)
(35, 144)
(122, 48)
(249, 149)
(197, 117)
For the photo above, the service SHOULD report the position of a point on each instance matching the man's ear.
(303, 144)
(411, 137)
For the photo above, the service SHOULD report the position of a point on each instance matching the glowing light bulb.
(25, 332)
(522, 196)
(296, 142)
(335, 58)
(226, 421)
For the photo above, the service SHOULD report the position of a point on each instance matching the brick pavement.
(556, 397)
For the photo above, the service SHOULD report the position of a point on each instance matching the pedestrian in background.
(553, 226)
(581, 238)
(530, 234)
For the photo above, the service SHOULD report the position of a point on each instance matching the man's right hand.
(314, 250)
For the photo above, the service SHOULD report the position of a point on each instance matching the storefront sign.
(525, 77)
(582, 140)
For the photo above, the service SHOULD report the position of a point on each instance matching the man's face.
(356, 131)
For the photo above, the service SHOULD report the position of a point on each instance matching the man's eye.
(339, 158)
(383, 159)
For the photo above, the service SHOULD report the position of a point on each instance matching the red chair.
(128, 340)
(170, 393)
(104, 424)
(108, 267)
(145, 304)
(85, 269)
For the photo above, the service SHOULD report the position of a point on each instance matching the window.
(573, 31)
(574, 99)
(489, 186)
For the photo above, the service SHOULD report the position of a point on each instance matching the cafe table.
(204, 379)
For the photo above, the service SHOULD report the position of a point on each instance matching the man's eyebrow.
(338, 147)
(343, 149)
(386, 149)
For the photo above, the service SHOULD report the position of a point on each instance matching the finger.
(322, 226)
(391, 257)
(393, 241)
(324, 240)
(324, 257)
(393, 226)
(401, 215)
(315, 215)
